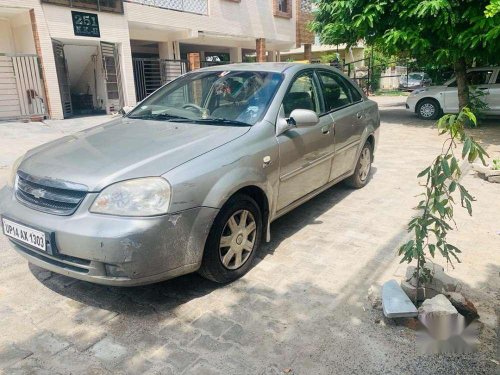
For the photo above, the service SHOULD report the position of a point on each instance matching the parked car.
(192, 177)
(414, 81)
(429, 103)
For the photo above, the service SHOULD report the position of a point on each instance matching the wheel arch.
(428, 98)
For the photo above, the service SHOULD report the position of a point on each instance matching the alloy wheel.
(238, 239)
(364, 164)
(427, 110)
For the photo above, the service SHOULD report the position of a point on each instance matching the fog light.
(114, 271)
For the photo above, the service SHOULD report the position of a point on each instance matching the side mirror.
(303, 117)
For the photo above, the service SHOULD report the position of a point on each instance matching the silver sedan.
(192, 177)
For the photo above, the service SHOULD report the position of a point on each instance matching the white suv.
(429, 102)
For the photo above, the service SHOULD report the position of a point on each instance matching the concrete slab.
(395, 302)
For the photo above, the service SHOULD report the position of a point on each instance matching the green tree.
(448, 32)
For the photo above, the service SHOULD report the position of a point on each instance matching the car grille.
(47, 195)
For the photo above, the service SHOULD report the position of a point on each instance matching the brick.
(173, 355)
(10, 354)
(212, 324)
(260, 49)
(206, 343)
(108, 350)
(47, 343)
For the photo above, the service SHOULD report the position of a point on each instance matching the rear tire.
(363, 167)
(428, 109)
(233, 240)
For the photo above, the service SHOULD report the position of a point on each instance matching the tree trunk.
(462, 87)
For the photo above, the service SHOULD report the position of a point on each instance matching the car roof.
(276, 67)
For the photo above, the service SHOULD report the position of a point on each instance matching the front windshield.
(416, 76)
(212, 97)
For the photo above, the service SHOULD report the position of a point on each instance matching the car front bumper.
(411, 103)
(111, 250)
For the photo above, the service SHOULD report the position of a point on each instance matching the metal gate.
(21, 89)
(111, 65)
(62, 77)
(150, 74)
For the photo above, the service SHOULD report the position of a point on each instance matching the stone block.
(11, 354)
(375, 297)
(495, 179)
(212, 324)
(172, 355)
(463, 306)
(395, 302)
(108, 350)
(441, 283)
(441, 318)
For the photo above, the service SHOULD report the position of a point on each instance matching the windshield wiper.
(220, 121)
(160, 116)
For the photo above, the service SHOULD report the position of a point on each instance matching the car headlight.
(13, 171)
(149, 196)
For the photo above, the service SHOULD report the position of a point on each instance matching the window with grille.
(114, 6)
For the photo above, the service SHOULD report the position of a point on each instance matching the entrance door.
(111, 64)
(62, 77)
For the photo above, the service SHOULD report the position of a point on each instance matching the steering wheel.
(192, 105)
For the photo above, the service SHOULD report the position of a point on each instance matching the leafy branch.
(431, 226)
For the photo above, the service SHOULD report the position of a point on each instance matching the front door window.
(303, 94)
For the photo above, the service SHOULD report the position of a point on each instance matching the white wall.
(6, 38)
(244, 21)
(23, 33)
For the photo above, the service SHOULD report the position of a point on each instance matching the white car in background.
(430, 102)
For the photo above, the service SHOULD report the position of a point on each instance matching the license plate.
(24, 234)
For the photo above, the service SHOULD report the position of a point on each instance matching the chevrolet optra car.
(430, 102)
(414, 81)
(192, 177)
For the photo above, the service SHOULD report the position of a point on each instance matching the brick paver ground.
(302, 309)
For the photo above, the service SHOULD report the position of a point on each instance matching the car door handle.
(326, 129)
(359, 115)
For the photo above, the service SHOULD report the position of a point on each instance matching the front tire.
(428, 109)
(233, 240)
(363, 167)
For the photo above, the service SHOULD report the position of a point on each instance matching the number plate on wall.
(86, 24)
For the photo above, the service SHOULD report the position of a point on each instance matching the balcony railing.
(191, 6)
(114, 6)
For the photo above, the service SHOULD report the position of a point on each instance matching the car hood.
(123, 149)
(432, 90)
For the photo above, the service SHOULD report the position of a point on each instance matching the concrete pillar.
(166, 50)
(278, 56)
(235, 55)
(38, 49)
(260, 49)
(41, 38)
(271, 56)
(194, 60)
(308, 52)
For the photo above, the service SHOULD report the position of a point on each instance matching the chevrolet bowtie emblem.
(38, 193)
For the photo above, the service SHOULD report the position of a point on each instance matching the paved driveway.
(301, 310)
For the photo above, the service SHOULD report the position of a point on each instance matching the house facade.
(60, 58)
